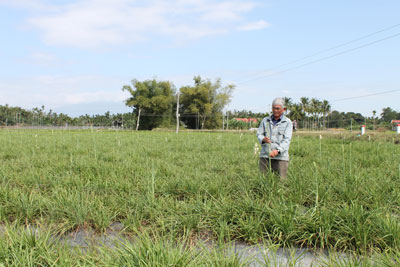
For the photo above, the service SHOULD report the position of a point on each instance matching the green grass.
(342, 192)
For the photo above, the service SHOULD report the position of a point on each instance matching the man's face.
(277, 110)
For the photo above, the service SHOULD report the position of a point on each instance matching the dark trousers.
(278, 166)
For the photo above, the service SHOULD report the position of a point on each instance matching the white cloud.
(258, 25)
(94, 23)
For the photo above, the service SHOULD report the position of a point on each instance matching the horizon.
(47, 110)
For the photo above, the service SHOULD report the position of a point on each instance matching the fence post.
(223, 121)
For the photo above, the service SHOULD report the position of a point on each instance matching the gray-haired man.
(274, 135)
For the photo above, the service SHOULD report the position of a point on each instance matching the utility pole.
(177, 114)
(227, 120)
(197, 121)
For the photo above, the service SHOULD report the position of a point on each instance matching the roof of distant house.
(246, 119)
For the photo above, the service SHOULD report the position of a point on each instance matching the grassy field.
(342, 193)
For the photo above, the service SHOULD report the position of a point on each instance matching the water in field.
(261, 255)
(86, 238)
(250, 255)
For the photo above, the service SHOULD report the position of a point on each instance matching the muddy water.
(259, 255)
(85, 238)
(262, 255)
(254, 256)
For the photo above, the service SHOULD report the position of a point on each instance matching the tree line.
(13, 116)
(158, 104)
(316, 114)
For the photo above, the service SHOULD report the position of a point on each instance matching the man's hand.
(266, 140)
(273, 153)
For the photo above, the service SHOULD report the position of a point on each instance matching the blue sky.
(75, 56)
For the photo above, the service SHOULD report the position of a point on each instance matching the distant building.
(246, 120)
(394, 124)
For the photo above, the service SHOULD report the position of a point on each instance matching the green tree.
(296, 112)
(326, 109)
(373, 117)
(389, 114)
(153, 97)
(288, 104)
(304, 104)
(337, 119)
(314, 109)
(353, 119)
(205, 102)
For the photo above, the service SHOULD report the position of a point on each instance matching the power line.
(332, 48)
(323, 58)
(354, 97)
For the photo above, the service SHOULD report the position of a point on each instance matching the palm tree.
(305, 105)
(296, 113)
(288, 103)
(315, 108)
(326, 109)
(373, 116)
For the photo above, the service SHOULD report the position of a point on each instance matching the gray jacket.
(280, 136)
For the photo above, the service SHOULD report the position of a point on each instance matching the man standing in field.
(274, 135)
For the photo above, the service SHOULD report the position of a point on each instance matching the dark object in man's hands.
(266, 140)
